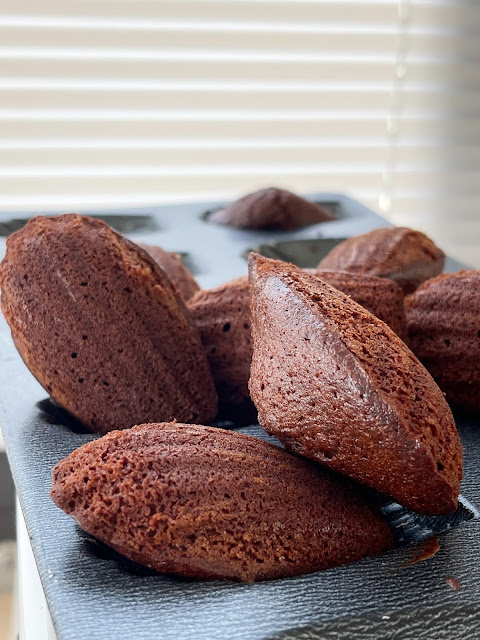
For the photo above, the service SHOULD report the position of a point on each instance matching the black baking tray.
(93, 595)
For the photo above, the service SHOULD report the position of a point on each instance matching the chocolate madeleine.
(443, 317)
(405, 256)
(222, 317)
(335, 384)
(175, 269)
(101, 327)
(271, 208)
(208, 503)
(380, 296)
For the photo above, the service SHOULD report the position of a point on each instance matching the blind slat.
(384, 11)
(114, 155)
(372, 12)
(458, 73)
(253, 36)
(462, 132)
(333, 99)
(141, 185)
(146, 171)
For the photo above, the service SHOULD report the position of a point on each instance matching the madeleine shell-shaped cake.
(335, 384)
(222, 317)
(101, 327)
(443, 317)
(405, 256)
(208, 503)
(380, 296)
(271, 208)
(173, 265)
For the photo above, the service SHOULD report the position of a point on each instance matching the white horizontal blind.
(107, 103)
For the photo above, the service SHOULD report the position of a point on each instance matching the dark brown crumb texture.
(380, 296)
(210, 503)
(222, 317)
(101, 327)
(335, 384)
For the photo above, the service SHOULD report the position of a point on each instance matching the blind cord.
(394, 116)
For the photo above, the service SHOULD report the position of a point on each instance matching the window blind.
(107, 103)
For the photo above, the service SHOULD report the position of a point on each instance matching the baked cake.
(101, 327)
(380, 296)
(335, 384)
(271, 209)
(175, 269)
(222, 317)
(208, 503)
(444, 326)
(408, 257)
